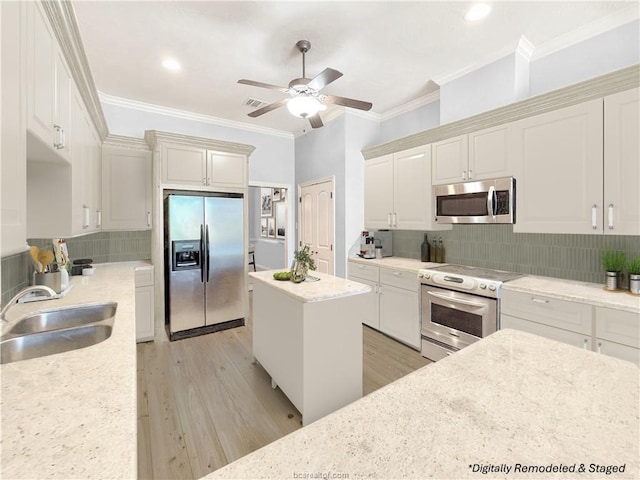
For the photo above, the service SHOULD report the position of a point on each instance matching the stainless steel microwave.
(483, 201)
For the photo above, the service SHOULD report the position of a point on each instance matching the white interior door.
(317, 223)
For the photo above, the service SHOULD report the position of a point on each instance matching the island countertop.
(510, 401)
(327, 288)
(73, 414)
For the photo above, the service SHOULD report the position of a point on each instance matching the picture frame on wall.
(271, 227)
(281, 220)
(276, 194)
(263, 227)
(266, 202)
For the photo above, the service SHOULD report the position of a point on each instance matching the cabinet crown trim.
(120, 141)
(601, 86)
(154, 137)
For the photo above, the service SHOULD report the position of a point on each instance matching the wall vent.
(254, 103)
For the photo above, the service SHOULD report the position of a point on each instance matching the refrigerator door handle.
(207, 249)
(202, 254)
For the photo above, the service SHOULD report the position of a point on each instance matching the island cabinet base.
(311, 350)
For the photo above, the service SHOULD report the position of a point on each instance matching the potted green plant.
(613, 262)
(302, 262)
(633, 268)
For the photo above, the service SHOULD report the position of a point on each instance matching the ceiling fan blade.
(346, 102)
(316, 121)
(268, 108)
(324, 78)
(263, 85)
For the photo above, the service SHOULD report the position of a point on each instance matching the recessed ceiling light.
(171, 64)
(477, 12)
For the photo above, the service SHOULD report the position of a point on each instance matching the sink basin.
(54, 341)
(57, 331)
(74, 316)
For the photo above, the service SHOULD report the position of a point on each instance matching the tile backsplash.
(101, 247)
(574, 257)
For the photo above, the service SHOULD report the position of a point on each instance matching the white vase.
(634, 283)
(612, 280)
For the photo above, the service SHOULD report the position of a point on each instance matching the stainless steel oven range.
(459, 306)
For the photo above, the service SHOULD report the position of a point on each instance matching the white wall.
(360, 133)
(607, 52)
(269, 253)
(320, 153)
(417, 120)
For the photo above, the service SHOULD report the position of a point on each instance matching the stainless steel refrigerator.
(204, 262)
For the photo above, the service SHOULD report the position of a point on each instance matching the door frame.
(308, 183)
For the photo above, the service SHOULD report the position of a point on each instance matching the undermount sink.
(75, 316)
(57, 331)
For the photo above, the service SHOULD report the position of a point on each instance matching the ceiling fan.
(305, 99)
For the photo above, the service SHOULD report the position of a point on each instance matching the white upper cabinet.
(13, 174)
(491, 153)
(184, 165)
(397, 191)
(378, 192)
(558, 156)
(126, 185)
(451, 160)
(48, 84)
(622, 163)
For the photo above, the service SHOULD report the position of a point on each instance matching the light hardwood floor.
(202, 403)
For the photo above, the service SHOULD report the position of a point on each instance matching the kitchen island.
(308, 337)
(73, 414)
(500, 408)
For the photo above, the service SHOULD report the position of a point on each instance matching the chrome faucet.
(35, 288)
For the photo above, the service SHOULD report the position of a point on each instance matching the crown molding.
(65, 26)
(184, 114)
(601, 25)
(156, 137)
(412, 105)
(525, 48)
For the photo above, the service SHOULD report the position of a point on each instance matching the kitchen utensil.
(45, 257)
(34, 256)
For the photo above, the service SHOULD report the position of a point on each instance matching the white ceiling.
(388, 51)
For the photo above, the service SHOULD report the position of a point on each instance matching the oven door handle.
(456, 300)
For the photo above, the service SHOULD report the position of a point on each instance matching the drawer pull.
(539, 300)
(599, 347)
(454, 334)
(397, 274)
(584, 346)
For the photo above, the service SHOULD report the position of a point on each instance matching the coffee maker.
(385, 239)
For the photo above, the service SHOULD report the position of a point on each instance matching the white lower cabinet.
(604, 330)
(144, 303)
(393, 306)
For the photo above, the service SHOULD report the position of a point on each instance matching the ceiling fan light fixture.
(303, 106)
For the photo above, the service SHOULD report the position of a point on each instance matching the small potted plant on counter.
(302, 262)
(613, 262)
(633, 267)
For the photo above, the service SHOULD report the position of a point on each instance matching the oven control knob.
(420, 275)
(492, 288)
(427, 276)
(483, 286)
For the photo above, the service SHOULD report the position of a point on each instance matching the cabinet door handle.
(98, 219)
(397, 274)
(464, 174)
(395, 219)
(204, 180)
(148, 219)
(539, 300)
(380, 289)
(594, 216)
(599, 347)
(611, 216)
(62, 138)
(584, 345)
(389, 219)
(208, 180)
(470, 174)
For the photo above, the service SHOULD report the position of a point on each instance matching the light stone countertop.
(327, 288)
(398, 263)
(511, 398)
(574, 291)
(73, 414)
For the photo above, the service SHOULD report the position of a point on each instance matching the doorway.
(269, 233)
(317, 223)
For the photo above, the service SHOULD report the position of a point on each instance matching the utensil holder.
(53, 280)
